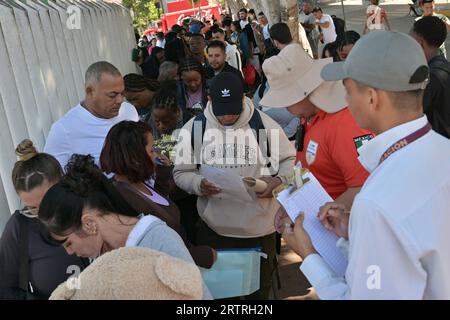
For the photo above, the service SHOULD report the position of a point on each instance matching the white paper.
(309, 199)
(232, 186)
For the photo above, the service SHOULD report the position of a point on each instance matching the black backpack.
(339, 26)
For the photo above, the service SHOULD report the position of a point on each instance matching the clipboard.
(308, 199)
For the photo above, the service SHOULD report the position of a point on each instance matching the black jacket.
(210, 74)
(436, 102)
(48, 264)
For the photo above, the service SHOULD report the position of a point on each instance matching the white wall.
(42, 66)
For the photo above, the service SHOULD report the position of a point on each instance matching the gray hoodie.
(152, 233)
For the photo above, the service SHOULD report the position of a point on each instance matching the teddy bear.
(133, 273)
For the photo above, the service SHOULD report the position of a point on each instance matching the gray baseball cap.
(390, 61)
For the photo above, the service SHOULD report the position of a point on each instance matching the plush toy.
(134, 273)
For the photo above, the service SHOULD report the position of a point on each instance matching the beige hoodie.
(227, 217)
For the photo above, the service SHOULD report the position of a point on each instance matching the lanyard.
(400, 144)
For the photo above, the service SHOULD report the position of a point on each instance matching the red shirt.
(330, 151)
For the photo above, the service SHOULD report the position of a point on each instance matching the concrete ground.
(397, 11)
(293, 282)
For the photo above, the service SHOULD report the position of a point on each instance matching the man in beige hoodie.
(229, 144)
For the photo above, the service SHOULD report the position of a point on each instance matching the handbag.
(249, 72)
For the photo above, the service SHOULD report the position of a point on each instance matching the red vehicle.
(175, 11)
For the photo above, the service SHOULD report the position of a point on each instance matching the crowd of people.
(126, 166)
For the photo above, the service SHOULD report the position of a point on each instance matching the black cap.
(227, 94)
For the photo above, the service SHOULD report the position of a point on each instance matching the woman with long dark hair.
(150, 68)
(88, 216)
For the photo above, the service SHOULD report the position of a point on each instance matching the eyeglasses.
(29, 212)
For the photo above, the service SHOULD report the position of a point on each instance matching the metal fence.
(45, 48)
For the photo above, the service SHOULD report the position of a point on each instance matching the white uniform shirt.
(399, 246)
(79, 131)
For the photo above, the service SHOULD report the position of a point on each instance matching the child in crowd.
(139, 91)
(191, 92)
(166, 118)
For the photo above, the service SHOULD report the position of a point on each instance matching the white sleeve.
(128, 112)
(58, 145)
(236, 59)
(380, 266)
(239, 61)
(232, 58)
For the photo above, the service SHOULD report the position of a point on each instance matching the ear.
(181, 277)
(423, 43)
(374, 98)
(276, 43)
(89, 223)
(89, 90)
(62, 292)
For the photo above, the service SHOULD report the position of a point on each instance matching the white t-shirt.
(266, 33)
(80, 132)
(306, 18)
(329, 34)
(243, 23)
(233, 57)
(161, 43)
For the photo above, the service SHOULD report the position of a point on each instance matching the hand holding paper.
(272, 183)
(209, 189)
(225, 185)
(256, 185)
(297, 237)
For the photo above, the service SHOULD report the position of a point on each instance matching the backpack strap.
(23, 253)
(198, 124)
(257, 125)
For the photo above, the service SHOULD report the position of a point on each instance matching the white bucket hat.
(293, 75)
